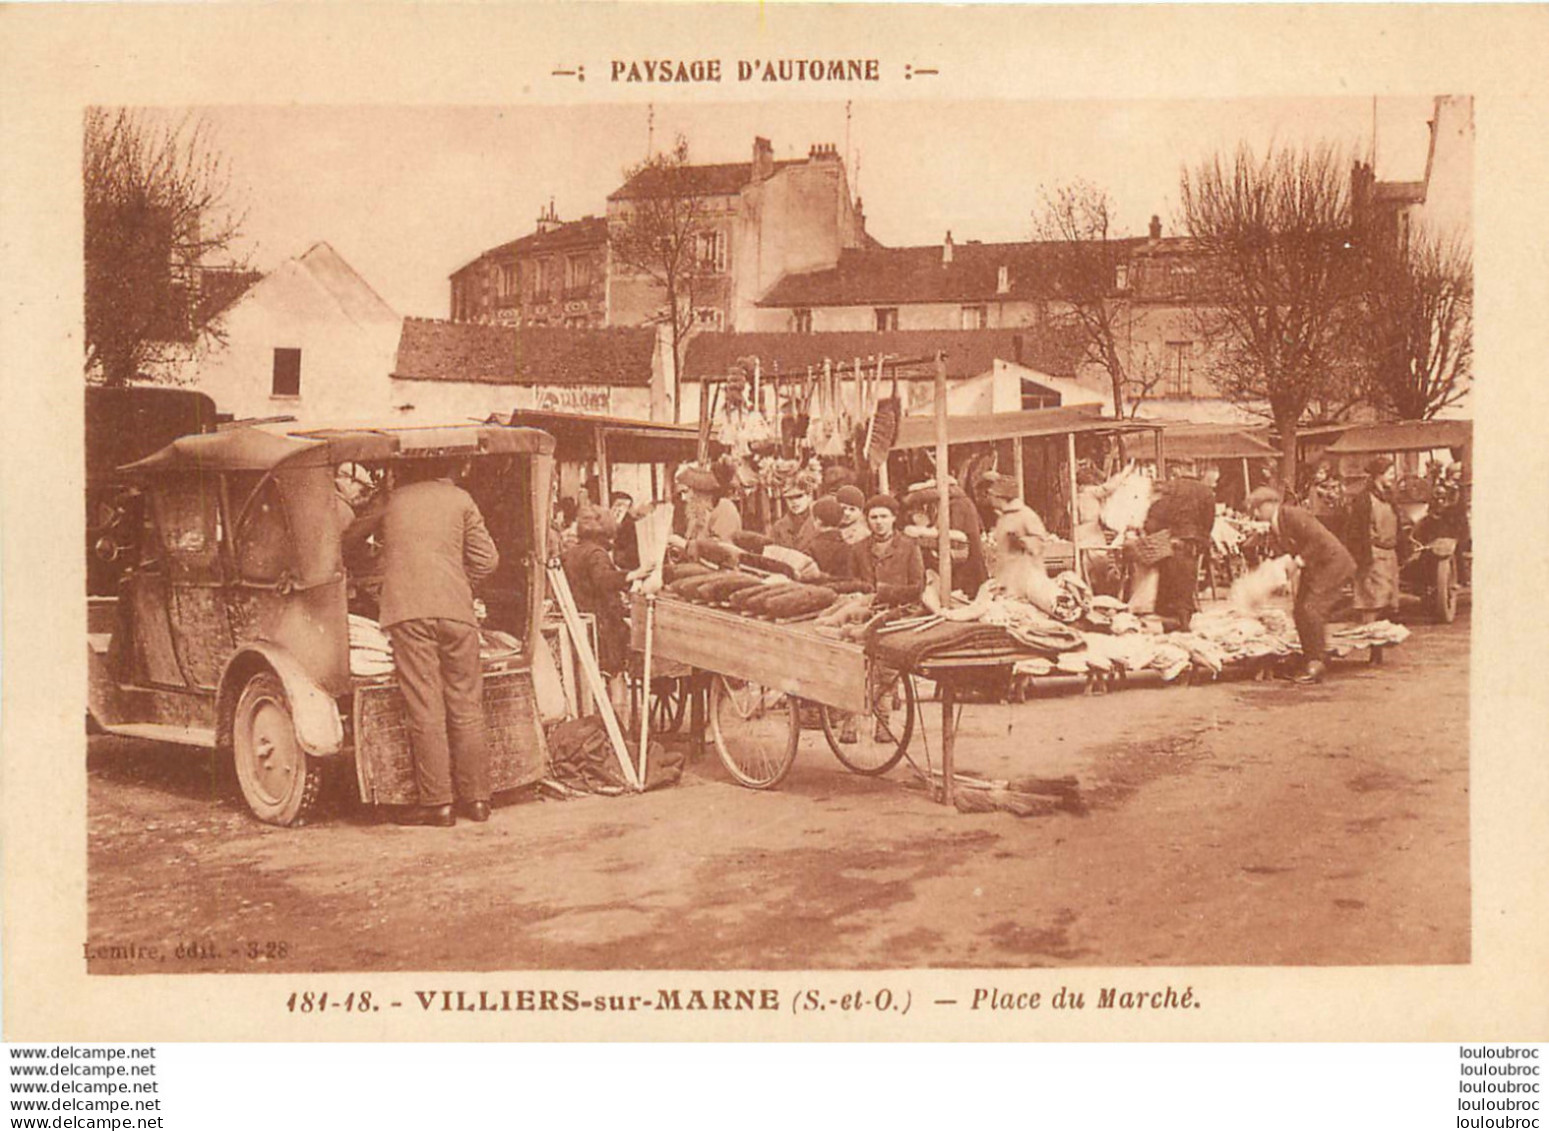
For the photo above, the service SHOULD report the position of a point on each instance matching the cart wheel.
(668, 707)
(279, 780)
(1445, 592)
(879, 740)
(755, 730)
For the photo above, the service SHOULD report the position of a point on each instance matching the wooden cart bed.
(791, 657)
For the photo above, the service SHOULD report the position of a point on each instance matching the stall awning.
(1214, 441)
(1404, 436)
(628, 441)
(920, 431)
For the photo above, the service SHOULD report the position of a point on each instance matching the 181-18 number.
(312, 1002)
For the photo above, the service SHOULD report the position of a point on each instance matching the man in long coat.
(435, 549)
(1325, 564)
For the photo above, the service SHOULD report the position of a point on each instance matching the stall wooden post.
(943, 491)
(1019, 465)
(604, 472)
(944, 562)
(1070, 482)
(645, 691)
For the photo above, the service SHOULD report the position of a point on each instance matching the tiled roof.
(968, 352)
(884, 276)
(435, 350)
(700, 180)
(587, 232)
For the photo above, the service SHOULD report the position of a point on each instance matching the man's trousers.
(442, 680)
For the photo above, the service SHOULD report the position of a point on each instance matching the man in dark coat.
(794, 529)
(435, 548)
(890, 563)
(1185, 507)
(829, 549)
(1325, 564)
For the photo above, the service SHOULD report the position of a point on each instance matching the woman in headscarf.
(1373, 541)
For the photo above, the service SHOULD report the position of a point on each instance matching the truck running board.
(165, 732)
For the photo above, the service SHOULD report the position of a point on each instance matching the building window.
(1180, 369)
(710, 251)
(578, 273)
(507, 280)
(975, 317)
(547, 280)
(1121, 277)
(709, 318)
(287, 373)
(887, 318)
(801, 320)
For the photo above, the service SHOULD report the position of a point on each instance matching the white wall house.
(311, 339)
(452, 372)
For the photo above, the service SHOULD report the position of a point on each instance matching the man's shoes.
(848, 734)
(1313, 674)
(474, 810)
(435, 816)
(881, 735)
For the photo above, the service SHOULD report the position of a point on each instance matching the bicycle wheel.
(755, 731)
(872, 745)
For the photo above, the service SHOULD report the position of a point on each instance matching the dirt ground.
(1236, 823)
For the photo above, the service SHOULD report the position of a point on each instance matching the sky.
(409, 194)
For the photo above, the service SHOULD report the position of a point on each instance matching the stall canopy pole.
(943, 492)
(1070, 478)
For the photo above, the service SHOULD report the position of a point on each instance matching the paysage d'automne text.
(744, 70)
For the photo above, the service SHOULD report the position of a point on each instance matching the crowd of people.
(821, 524)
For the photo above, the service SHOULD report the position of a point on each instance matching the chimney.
(1156, 227)
(823, 153)
(860, 214)
(548, 219)
(1003, 280)
(946, 250)
(763, 159)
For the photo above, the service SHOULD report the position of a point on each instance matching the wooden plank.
(793, 659)
(593, 674)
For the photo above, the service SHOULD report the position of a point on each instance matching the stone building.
(555, 276)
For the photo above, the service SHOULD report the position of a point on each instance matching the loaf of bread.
(799, 601)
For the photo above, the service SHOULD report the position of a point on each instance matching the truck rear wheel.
(279, 780)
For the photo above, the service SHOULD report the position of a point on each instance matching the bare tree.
(657, 236)
(1419, 326)
(158, 209)
(1085, 264)
(1280, 304)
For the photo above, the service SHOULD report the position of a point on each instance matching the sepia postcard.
(493, 458)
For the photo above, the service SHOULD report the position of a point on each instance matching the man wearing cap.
(828, 548)
(1373, 536)
(794, 529)
(1325, 563)
(853, 523)
(890, 563)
